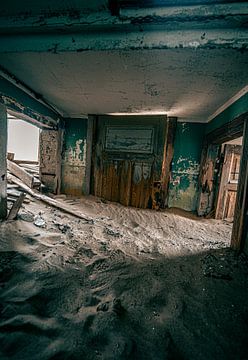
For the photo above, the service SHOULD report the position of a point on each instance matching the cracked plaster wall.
(183, 189)
(74, 157)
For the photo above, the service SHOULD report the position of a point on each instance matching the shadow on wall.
(23, 139)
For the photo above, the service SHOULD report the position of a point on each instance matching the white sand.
(133, 284)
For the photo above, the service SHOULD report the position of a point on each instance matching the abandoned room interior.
(123, 180)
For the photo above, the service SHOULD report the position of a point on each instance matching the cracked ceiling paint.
(188, 83)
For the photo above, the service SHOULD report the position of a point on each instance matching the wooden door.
(127, 159)
(228, 182)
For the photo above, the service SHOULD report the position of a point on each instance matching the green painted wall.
(19, 101)
(183, 190)
(74, 156)
(237, 108)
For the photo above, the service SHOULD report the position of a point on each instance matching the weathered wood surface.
(26, 162)
(3, 163)
(222, 197)
(230, 205)
(207, 180)
(50, 159)
(10, 156)
(229, 131)
(13, 199)
(227, 191)
(127, 160)
(16, 207)
(21, 173)
(48, 200)
(240, 223)
(168, 157)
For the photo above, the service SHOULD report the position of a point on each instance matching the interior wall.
(231, 112)
(23, 139)
(49, 159)
(74, 154)
(183, 189)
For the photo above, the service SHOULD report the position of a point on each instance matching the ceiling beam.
(27, 107)
(204, 26)
(179, 17)
(78, 42)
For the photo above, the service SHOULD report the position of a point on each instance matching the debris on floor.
(39, 221)
(16, 207)
(113, 283)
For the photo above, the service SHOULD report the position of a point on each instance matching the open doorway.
(223, 178)
(23, 139)
(228, 179)
(23, 153)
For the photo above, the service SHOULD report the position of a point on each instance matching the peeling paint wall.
(183, 190)
(74, 157)
(26, 106)
(49, 147)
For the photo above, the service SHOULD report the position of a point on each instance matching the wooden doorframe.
(227, 132)
(167, 158)
(171, 126)
(234, 129)
(240, 222)
(229, 150)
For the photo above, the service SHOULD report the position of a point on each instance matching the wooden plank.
(240, 223)
(13, 199)
(122, 179)
(28, 162)
(3, 164)
(58, 168)
(135, 184)
(229, 131)
(93, 172)
(52, 202)
(125, 181)
(98, 183)
(89, 142)
(30, 170)
(115, 193)
(16, 207)
(10, 156)
(222, 195)
(148, 176)
(128, 184)
(110, 175)
(104, 180)
(20, 173)
(167, 158)
(230, 204)
(207, 179)
(143, 194)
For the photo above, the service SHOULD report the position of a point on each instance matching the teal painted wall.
(237, 108)
(183, 190)
(19, 101)
(74, 157)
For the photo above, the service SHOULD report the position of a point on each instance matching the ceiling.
(17, 7)
(188, 83)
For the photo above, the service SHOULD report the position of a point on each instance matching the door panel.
(228, 182)
(127, 160)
